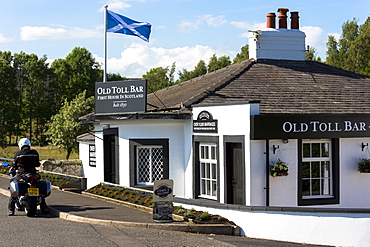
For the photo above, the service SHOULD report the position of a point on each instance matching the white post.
(105, 44)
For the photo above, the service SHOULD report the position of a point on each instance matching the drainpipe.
(267, 185)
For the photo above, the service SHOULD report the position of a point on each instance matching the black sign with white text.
(309, 126)
(120, 96)
(205, 123)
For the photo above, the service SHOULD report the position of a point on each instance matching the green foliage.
(64, 127)
(159, 78)
(243, 55)
(218, 63)
(279, 168)
(352, 50)
(364, 166)
(311, 54)
(203, 216)
(76, 73)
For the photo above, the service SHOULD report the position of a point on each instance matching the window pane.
(306, 187)
(316, 150)
(208, 192)
(208, 171)
(306, 150)
(202, 170)
(315, 166)
(213, 152)
(203, 186)
(202, 155)
(213, 171)
(315, 186)
(214, 188)
(325, 185)
(324, 149)
(206, 152)
(325, 169)
(306, 170)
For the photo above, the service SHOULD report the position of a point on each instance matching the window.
(316, 169)
(208, 170)
(149, 164)
(318, 172)
(149, 161)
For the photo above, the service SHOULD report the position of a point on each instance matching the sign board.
(205, 123)
(120, 96)
(163, 199)
(92, 155)
(310, 126)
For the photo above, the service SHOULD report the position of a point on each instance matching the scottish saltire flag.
(120, 24)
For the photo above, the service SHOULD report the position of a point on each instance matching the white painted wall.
(283, 190)
(273, 43)
(354, 185)
(179, 149)
(322, 229)
(232, 120)
(94, 175)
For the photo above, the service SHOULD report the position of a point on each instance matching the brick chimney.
(278, 43)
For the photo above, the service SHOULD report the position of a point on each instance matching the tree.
(77, 72)
(218, 63)
(159, 78)
(311, 54)
(352, 50)
(115, 77)
(8, 97)
(64, 127)
(243, 55)
(199, 70)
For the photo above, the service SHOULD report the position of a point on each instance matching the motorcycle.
(29, 191)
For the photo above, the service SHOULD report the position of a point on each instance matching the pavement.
(88, 208)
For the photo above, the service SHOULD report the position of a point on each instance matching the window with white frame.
(208, 170)
(316, 169)
(149, 164)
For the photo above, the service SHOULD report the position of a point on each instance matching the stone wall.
(69, 167)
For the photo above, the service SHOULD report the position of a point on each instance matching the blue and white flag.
(120, 24)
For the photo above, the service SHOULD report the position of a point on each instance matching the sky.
(183, 31)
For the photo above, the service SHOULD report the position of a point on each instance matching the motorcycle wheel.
(31, 208)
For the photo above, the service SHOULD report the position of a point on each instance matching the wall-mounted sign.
(163, 199)
(120, 96)
(205, 123)
(92, 155)
(309, 126)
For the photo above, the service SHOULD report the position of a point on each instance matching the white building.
(217, 135)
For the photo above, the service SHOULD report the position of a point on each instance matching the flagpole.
(105, 44)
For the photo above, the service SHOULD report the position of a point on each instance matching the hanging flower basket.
(279, 168)
(364, 166)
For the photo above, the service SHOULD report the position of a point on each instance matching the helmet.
(24, 142)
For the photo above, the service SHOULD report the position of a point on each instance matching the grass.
(47, 152)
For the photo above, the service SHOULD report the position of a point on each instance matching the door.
(110, 156)
(235, 181)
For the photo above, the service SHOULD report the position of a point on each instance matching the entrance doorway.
(235, 173)
(111, 168)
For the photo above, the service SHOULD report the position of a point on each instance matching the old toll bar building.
(217, 135)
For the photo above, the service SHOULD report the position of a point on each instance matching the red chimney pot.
(294, 20)
(270, 21)
(282, 17)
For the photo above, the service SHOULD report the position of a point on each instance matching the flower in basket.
(364, 166)
(279, 168)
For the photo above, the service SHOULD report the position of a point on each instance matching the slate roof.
(282, 86)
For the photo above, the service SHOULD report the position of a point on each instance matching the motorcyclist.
(17, 168)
